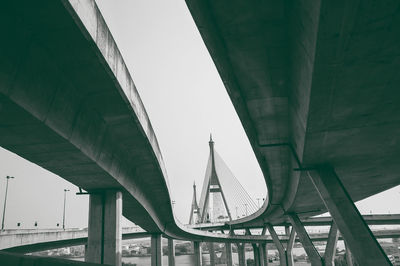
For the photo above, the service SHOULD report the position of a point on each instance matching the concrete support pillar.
(228, 248)
(212, 253)
(289, 249)
(264, 252)
(305, 240)
(241, 254)
(278, 245)
(171, 252)
(197, 253)
(261, 254)
(330, 249)
(256, 255)
(156, 250)
(104, 228)
(349, 256)
(348, 219)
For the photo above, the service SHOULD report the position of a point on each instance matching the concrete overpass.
(316, 95)
(315, 85)
(26, 241)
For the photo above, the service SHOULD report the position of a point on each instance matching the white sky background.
(185, 100)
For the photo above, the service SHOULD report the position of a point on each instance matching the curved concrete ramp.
(69, 105)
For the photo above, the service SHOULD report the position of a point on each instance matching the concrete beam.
(156, 250)
(104, 232)
(330, 249)
(348, 219)
(305, 240)
(278, 245)
(197, 253)
(171, 252)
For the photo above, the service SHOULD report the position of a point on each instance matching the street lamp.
(245, 205)
(5, 202)
(65, 199)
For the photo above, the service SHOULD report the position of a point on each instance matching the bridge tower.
(221, 193)
(194, 212)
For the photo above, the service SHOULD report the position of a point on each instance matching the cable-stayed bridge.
(222, 198)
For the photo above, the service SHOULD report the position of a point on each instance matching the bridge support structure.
(348, 219)
(228, 249)
(331, 243)
(264, 252)
(104, 228)
(156, 250)
(241, 254)
(285, 255)
(211, 251)
(256, 254)
(197, 253)
(305, 240)
(171, 252)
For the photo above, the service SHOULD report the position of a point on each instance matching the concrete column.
(197, 253)
(348, 219)
(171, 252)
(156, 250)
(289, 249)
(212, 253)
(241, 254)
(104, 228)
(330, 249)
(256, 255)
(261, 254)
(278, 244)
(228, 248)
(349, 256)
(305, 240)
(264, 252)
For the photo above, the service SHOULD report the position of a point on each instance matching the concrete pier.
(156, 250)
(197, 253)
(331, 243)
(348, 219)
(171, 252)
(104, 232)
(228, 248)
(278, 245)
(241, 254)
(305, 240)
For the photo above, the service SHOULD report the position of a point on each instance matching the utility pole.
(65, 199)
(5, 202)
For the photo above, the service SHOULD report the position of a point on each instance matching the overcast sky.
(185, 100)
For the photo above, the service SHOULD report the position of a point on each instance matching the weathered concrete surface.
(312, 82)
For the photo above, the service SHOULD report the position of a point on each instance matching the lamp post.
(245, 205)
(5, 202)
(65, 199)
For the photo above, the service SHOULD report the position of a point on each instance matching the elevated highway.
(316, 94)
(315, 86)
(68, 104)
